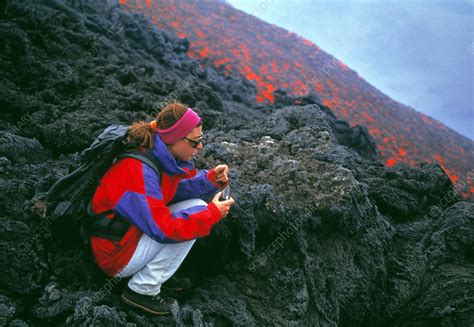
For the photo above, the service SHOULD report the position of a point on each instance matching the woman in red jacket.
(166, 213)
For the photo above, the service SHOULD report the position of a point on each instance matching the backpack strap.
(100, 225)
(145, 156)
(114, 228)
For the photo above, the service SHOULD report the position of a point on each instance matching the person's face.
(188, 147)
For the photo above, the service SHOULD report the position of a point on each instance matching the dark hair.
(141, 134)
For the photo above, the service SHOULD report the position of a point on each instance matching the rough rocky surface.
(234, 42)
(321, 233)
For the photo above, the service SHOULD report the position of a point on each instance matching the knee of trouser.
(186, 204)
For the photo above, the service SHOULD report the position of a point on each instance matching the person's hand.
(223, 206)
(221, 174)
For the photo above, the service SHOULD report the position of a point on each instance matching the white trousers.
(154, 263)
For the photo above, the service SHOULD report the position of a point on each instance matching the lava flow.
(237, 43)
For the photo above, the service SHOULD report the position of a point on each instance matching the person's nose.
(200, 146)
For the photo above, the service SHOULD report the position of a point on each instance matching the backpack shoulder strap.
(145, 157)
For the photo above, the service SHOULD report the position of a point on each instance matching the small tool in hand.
(225, 194)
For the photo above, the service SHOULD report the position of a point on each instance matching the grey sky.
(420, 53)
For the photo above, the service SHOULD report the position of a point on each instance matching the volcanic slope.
(321, 234)
(272, 58)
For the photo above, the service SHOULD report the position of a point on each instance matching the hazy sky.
(420, 53)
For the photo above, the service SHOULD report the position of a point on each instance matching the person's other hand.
(223, 206)
(221, 174)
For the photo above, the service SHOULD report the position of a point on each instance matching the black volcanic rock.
(321, 233)
(286, 68)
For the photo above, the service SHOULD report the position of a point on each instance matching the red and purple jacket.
(133, 190)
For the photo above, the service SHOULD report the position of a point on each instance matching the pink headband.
(181, 128)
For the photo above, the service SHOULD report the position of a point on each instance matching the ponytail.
(141, 135)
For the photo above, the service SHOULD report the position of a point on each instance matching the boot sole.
(136, 305)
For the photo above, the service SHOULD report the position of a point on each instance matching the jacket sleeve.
(147, 211)
(201, 186)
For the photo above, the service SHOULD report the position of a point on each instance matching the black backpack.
(69, 199)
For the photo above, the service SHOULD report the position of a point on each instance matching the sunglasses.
(194, 143)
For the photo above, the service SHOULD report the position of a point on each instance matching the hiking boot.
(177, 284)
(154, 304)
